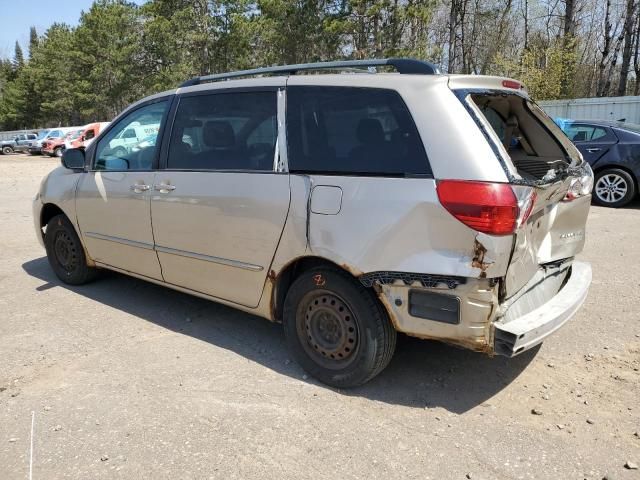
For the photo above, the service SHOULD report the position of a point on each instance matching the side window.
(348, 130)
(585, 133)
(225, 131)
(598, 133)
(114, 154)
(130, 133)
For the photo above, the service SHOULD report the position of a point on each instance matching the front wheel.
(336, 328)
(7, 150)
(613, 188)
(65, 252)
(57, 152)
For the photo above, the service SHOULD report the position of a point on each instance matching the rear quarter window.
(352, 131)
(586, 133)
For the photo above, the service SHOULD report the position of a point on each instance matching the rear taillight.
(486, 207)
(582, 185)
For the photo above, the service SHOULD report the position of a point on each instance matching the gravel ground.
(131, 380)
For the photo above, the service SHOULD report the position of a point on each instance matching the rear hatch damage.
(546, 172)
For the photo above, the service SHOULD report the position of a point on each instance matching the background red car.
(55, 147)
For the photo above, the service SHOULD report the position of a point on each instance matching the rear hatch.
(551, 181)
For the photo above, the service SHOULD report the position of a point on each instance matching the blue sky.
(17, 16)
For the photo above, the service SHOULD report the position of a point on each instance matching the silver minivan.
(349, 206)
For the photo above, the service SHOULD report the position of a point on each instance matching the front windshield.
(42, 134)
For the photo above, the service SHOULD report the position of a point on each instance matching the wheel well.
(289, 274)
(49, 210)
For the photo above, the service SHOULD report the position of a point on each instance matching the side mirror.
(73, 159)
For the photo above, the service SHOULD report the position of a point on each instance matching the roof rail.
(402, 65)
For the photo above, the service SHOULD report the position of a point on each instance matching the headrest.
(218, 134)
(370, 131)
(581, 136)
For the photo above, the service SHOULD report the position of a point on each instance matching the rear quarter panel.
(391, 224)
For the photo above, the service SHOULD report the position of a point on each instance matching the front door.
(113, 201)
(218, 207)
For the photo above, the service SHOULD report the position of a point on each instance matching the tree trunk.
(526, 25)
(606, 49)
(626, 51)
(636, 48)
(453, 28)
(569, 19)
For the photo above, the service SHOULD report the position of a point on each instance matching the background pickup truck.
(19, 143)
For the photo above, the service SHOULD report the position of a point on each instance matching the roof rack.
(402, 65)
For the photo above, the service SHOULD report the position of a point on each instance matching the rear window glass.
(344, 130)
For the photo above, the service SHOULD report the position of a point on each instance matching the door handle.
(592, 150)
(164, 188)
(139, 188)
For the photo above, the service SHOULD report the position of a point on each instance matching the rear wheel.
(7, 150)
(65, 252)
(613, 188)
(336, 328)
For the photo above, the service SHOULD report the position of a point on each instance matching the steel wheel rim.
(327, 329)
(611, 188)
(65, 251)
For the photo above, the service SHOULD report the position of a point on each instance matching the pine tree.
(33, 41)
(18, 58)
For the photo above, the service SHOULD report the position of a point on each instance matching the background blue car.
(613, 151)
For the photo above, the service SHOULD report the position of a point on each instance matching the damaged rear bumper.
(514, 336)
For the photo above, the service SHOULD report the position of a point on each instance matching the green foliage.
(120, 52)
(547, 72)
(18, 57)
(33, 41)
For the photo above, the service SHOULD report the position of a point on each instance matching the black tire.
(614, 188)
(57, 152)
(65, 252)
(7, 150)
(337, 329)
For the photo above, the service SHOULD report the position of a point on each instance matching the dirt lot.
(132, 380)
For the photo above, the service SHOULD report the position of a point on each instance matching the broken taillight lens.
(580, 186)
(484, 206)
